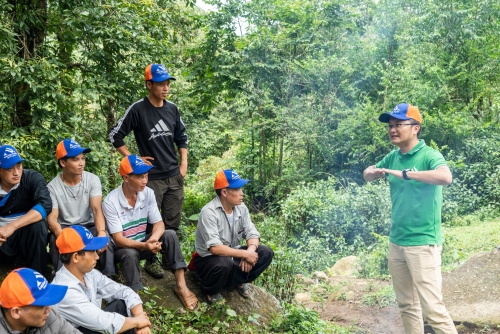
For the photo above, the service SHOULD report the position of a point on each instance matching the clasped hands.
(153, 245)
(247, 262)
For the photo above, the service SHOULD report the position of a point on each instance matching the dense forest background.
(286, 92)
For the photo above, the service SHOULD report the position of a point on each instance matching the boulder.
(320, 276)
(303, 297)
(472, 291)
(305, 280)
(346, 266)
(260, 302)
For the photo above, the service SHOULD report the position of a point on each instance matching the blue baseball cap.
(228, 178)
(76, 238)
(69, 148)
(133, 164)
(9, 156)
(27, 287)
(402, 111)
(156, 73)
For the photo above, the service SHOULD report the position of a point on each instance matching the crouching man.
(87, 287)
(25, 300)
(130, 212)
(223, 223)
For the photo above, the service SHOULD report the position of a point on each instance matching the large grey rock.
(346, 266)
(260, 302)
(471, 292)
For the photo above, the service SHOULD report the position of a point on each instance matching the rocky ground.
(471, 294)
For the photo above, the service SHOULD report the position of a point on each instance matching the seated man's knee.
(128, 255)
(169, 235)
(265, 251)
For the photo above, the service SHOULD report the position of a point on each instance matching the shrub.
(339, 218)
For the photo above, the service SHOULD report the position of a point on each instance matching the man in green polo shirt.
(416, 175)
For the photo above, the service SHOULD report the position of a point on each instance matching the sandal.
(190, 302)
(243, 290)
(214, 299)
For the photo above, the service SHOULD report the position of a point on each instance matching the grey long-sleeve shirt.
(81, 305)
(214, 229)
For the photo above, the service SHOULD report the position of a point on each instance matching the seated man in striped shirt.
(136, 227)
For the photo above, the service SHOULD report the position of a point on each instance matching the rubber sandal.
(190, 302)
(243, 290)
(214, 299)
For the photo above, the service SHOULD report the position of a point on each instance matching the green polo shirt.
(416, 206)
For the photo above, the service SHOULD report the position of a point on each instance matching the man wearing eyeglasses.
(416, 175)
(158, 130)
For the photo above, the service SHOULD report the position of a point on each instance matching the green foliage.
(381, 297)
(373, 261)
(336, 218)
(297, 319)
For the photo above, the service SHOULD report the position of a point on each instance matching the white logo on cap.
(396, 110)
(9, 153)
(73, 144)
(139, 162)
(234, 175)
(89, 235)
(161, 70)
(41, 282)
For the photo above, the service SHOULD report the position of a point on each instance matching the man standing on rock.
(416, 175)
(219, 260)
(158, 130)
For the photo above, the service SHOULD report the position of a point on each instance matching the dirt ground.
(471, 294)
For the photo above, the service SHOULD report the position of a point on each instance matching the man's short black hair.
(65, 258)
(218, 192)
(59, 161)
(414, 122)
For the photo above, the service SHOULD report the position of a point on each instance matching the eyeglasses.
(397, 126)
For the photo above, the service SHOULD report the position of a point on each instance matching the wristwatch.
(405, 176)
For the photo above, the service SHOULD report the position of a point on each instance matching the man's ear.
(15, 312)
(62, 163)
(74, 257)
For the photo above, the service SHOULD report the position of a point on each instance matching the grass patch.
(461, 242)
(382, 297)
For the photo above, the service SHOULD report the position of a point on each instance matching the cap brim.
(386, 117)
(55, 293)
(238, 184)
(97, 243)
(165, 78)
(141, 170)
(78, 152)
(12, 163)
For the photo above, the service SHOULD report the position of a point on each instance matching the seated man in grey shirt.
(26, 297)
(219, 260)
(76, 200)
(87, 287)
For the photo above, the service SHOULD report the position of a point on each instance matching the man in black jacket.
(24, 205)
(158, 130)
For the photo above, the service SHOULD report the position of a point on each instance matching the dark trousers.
(116, 306)
(169, 194)
(130, 257)
(219, 272)
(106, 259)
(29, 242)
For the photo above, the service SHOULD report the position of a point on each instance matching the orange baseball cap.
(403, 111)
(133, 164)
(76, 238)
(228, 178)
(25, 286)
(69, 148)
